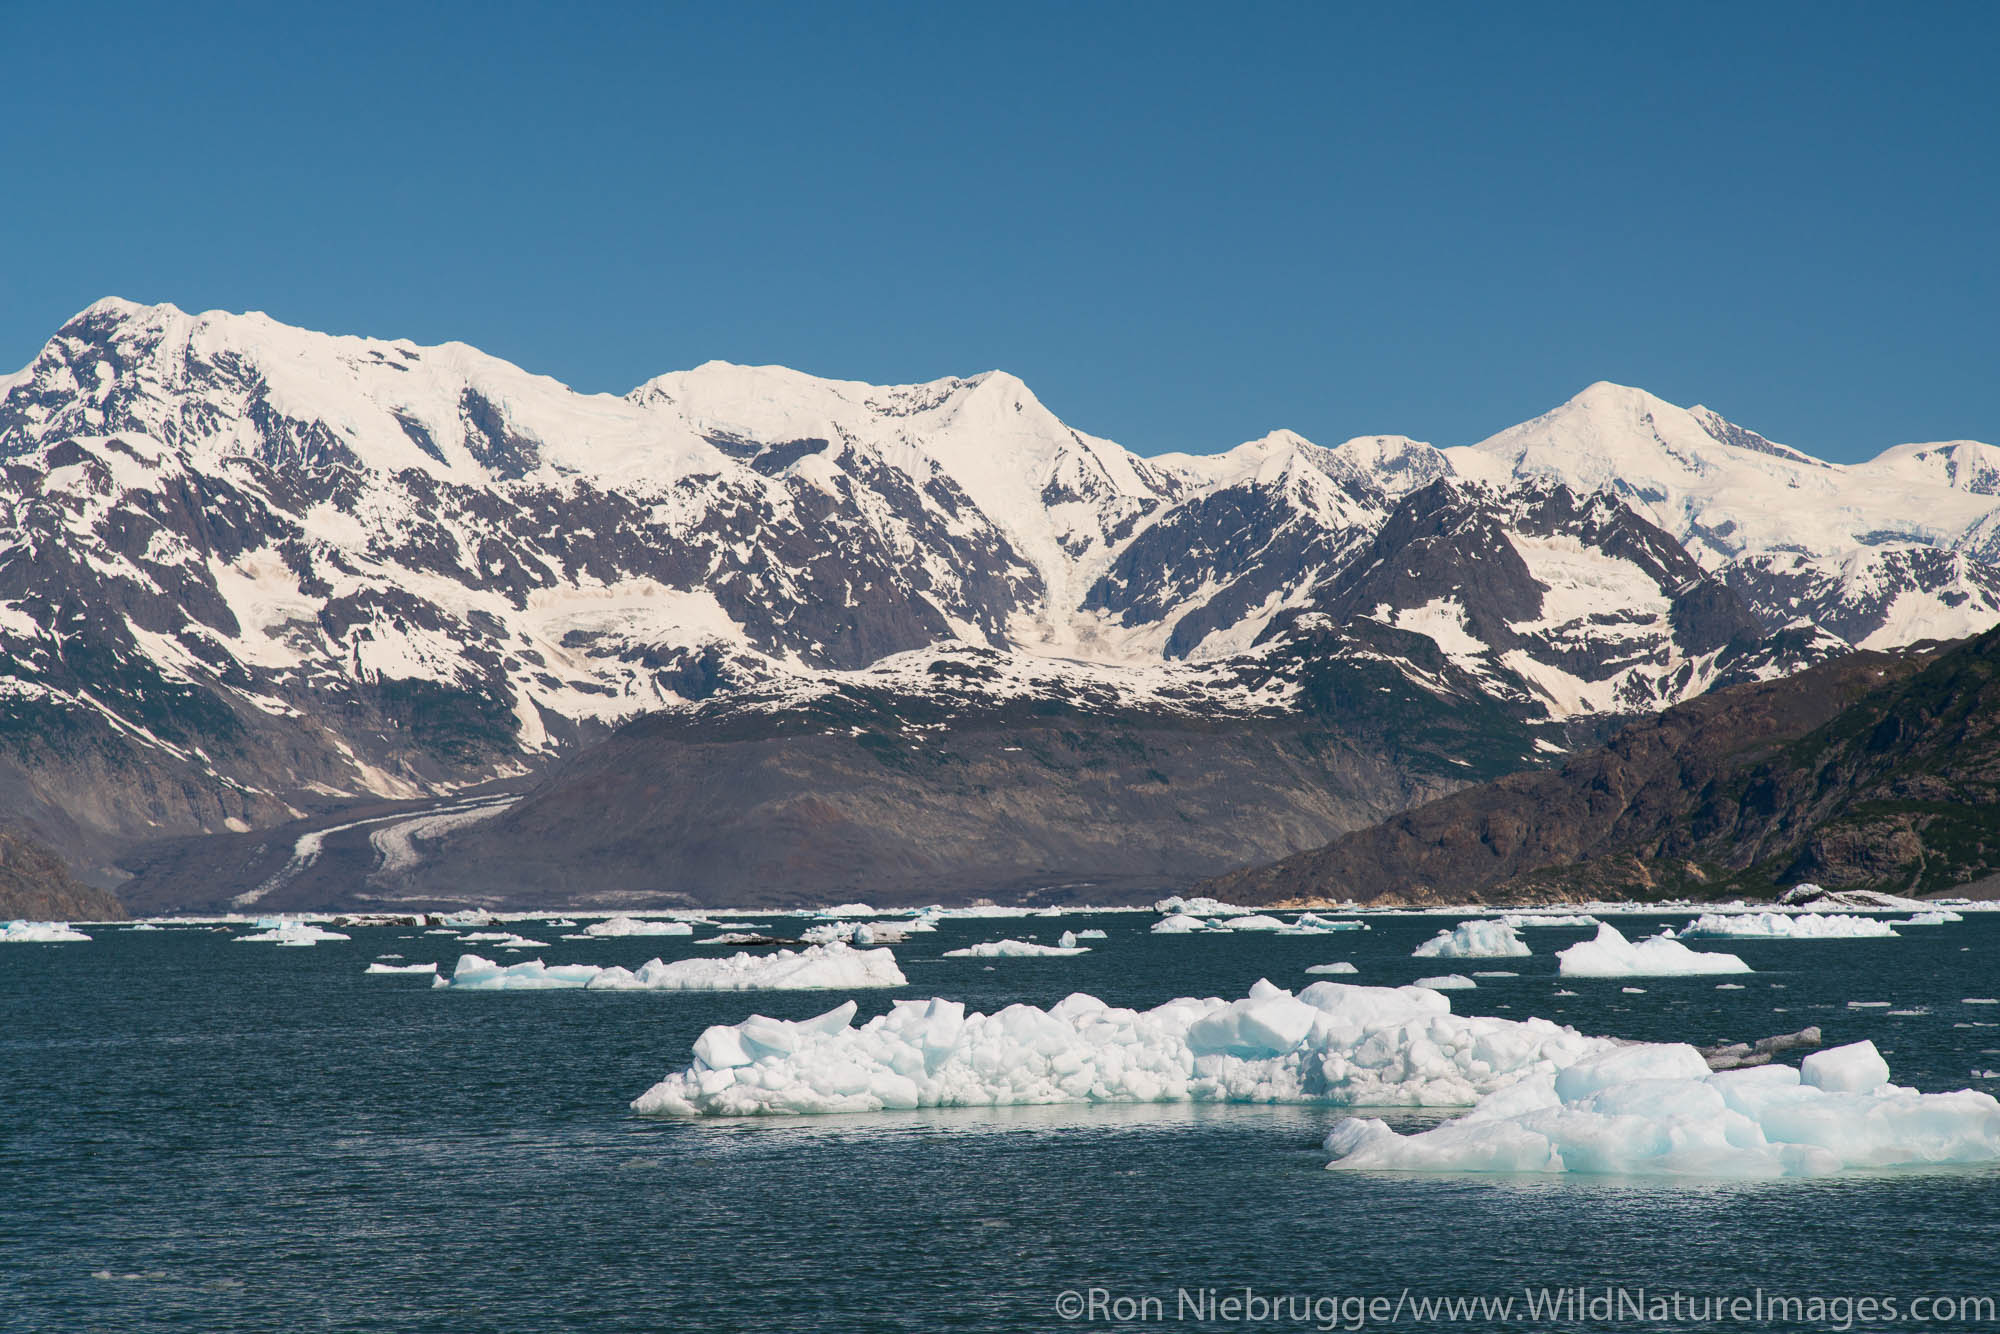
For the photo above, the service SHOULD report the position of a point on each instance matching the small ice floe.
(1255, 921)
(290, 933)
(1446, 982)
(1091, 933)
(1483, 939)
(1517, 920)
(19, 932)
(813, 968)
(1493, 972)
(1017, 949)
(1312, 924)
(1868, 1005)
(1980, 1000)
(1337, 968)
(1655, 1109)
(1609, 954)
(1633, 991)
(1784, 926)
(401, 969)
(1179, 924)
(1932, 917)
(1729, 986)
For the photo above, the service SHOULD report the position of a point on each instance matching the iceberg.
(1655, 1109)
(637, 926)
(38, 933)
(1333, 1042)
(401, 968)
(1199, 906)
(290, 933)
(1483, 939)
(1179, 924)
(1333, 968)
(1932, 917)
(1448, 982)
(1784, 926)
(1017, 949)
(1088, 933)
(1609, 954)
(815, 968)
(506, 940)
(1517, 920)
(1312, 924)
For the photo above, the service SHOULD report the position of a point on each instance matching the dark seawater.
(247, 1137)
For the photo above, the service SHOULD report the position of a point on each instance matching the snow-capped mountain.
(287, 569)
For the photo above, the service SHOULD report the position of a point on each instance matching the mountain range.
(289, 618)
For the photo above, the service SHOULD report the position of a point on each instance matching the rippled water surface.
(198, 1134)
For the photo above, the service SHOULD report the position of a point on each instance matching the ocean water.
(203, 1135)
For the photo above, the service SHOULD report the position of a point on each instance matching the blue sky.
(1182, 225)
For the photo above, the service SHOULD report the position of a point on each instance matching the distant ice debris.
(1336, 969)
(19, 932)
(1517, 920)
(1654, 1109)
(1932, 917)
(1609, 954)
(817, 967)
(401, 968)
(1332, 1042)
(1483, 939)
(506, 940)
(638, 926)
(1448, 982)
(1784, 926)
(289, 933)
(1017, 949)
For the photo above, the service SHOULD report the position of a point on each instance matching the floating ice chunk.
(1448, 982)
(145, 926)
(1784, 926)
(638, 926)
(1341, 967)
(466, 917)
(1609, 954)
(1493, 972)
(401, 968)
(1654, 1109)
(817, 967)
(858, 933)
(1932, 917)
(1313, 924)
(1517, 920)
(292, 933)
(1729, 986)
(1091, 933)
(39, 933)
(1255, 921)
(1868, 1005)
(847, 910)
(1979, 1000)
(1483, 939)
(1179, 924)
(1016, 949)
(1175, 905)
(1332, 1042)
(1633, 991)
(1855, 1068)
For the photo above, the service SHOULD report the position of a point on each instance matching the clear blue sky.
(1182, 225)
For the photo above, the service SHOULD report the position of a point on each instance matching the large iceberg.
(1655, 1109)
(1018, 949)
(1332, 1042)
(1609, 954)
(290, 933)
(1784, 926)
(1482, 939)
(637, 926)
(38, 933)
(815, 968)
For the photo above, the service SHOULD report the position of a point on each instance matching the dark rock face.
(1876, 771)
(36, 885)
